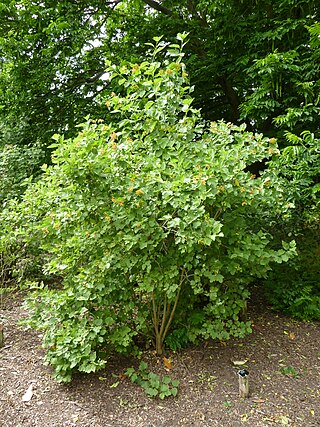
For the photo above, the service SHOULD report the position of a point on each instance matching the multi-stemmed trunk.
(163, 312)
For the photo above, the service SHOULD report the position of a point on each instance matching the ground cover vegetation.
(146, 224)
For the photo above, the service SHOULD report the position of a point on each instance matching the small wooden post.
(1, 336)
(243, 383)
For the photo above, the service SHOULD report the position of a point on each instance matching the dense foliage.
(295, 288)
(150, 212)
(257, 60)
(151, 221)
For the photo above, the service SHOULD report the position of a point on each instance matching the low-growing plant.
(227, 404)
(151, 221)
(152, 384)
(290, 371)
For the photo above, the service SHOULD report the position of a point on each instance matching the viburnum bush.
(151, 221)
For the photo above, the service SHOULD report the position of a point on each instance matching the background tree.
(251, 54)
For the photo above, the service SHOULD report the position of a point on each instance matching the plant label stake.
(243, 383)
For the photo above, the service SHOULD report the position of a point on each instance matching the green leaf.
(166, 379)
(174, 391)
(151, 392)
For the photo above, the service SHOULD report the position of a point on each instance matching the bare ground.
(283, 360)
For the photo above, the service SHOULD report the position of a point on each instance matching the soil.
(282, 356)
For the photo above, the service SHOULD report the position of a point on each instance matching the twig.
(5, 347)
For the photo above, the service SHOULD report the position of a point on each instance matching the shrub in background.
(18, 164)
(295, 287)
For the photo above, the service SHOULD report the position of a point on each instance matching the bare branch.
(157, 6)
(153, 4)
(113, 3)
(192, 9)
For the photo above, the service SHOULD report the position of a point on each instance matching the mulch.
(282, 356)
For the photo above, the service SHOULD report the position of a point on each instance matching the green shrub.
(151, 222)
(16, 165)
(295, 287)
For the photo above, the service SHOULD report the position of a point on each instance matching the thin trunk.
(162, 323)
(155, 320)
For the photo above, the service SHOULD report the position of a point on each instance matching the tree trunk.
(159, 345)
(232, 97)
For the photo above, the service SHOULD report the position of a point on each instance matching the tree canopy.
(247, 60)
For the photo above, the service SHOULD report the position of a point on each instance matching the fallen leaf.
(28, 394)
(114, 385)
(258, 400)
(284, 420)
(167, 363)
(244, 418)
(292, 336)
(239, 362)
